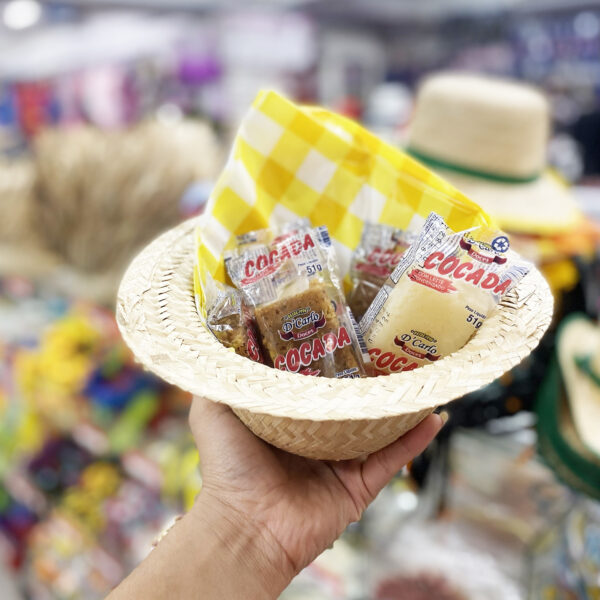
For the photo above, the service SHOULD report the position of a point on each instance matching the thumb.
(381, 466)
(211, 423)
(220, 436)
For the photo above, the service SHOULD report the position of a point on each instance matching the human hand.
(295, 507)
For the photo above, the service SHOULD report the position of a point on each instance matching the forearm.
(209, 554)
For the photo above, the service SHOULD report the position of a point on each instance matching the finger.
(381, 466)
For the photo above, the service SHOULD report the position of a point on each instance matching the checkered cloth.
(289, 162)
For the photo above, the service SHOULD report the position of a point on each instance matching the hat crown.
(481, 123)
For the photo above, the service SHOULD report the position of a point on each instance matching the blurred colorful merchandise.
(66, 562)
(101, 526)
(80, 374)
(83, 502)
(57, 466)
(174, 456)
(565, 561)
(556, 254)
(16, 523)
(113, 382)
(95, 455)
(37, 107)
(21, 431)
(52, 377)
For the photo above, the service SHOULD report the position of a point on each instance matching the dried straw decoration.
(101, 195)
(16, 200)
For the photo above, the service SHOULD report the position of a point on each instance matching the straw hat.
(568, 406)
(311, 416)
(579, 359)
(488, 138)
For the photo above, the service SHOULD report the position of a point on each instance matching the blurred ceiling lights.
(21, 14)
(189, 4)
(399, 5)
(394, 11)
(374, 11)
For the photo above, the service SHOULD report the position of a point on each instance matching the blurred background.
(115, 120)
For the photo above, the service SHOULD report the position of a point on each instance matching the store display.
(565, 561)
(95, 455)
(440, 293)
(501, 492)
(497, 500)
(293, 284)
(337, 574)
(442, 563)
(418, 587)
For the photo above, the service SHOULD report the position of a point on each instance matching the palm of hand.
(302, 504)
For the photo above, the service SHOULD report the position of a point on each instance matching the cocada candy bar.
(440, 293)
(375, 258)
(231, 321)
(292, 282)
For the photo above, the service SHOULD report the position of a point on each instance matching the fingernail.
(444, 417)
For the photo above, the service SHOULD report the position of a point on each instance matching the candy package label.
(439, 295)
(291, 280)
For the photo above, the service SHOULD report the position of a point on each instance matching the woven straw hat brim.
(580, 337)
(157, 316)
(544, 206)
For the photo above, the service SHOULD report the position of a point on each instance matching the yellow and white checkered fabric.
(289, 161)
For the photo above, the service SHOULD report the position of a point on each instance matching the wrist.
(248, 551)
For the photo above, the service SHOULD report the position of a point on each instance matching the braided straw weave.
(311, 416)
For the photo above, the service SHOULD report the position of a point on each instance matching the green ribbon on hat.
(562, 451)
(489, 175)
(584, 364)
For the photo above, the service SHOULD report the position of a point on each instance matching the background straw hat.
(579, 360)
(568, 407)
(488, 138)
(312, 416)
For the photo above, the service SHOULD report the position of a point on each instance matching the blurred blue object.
(107, 388)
